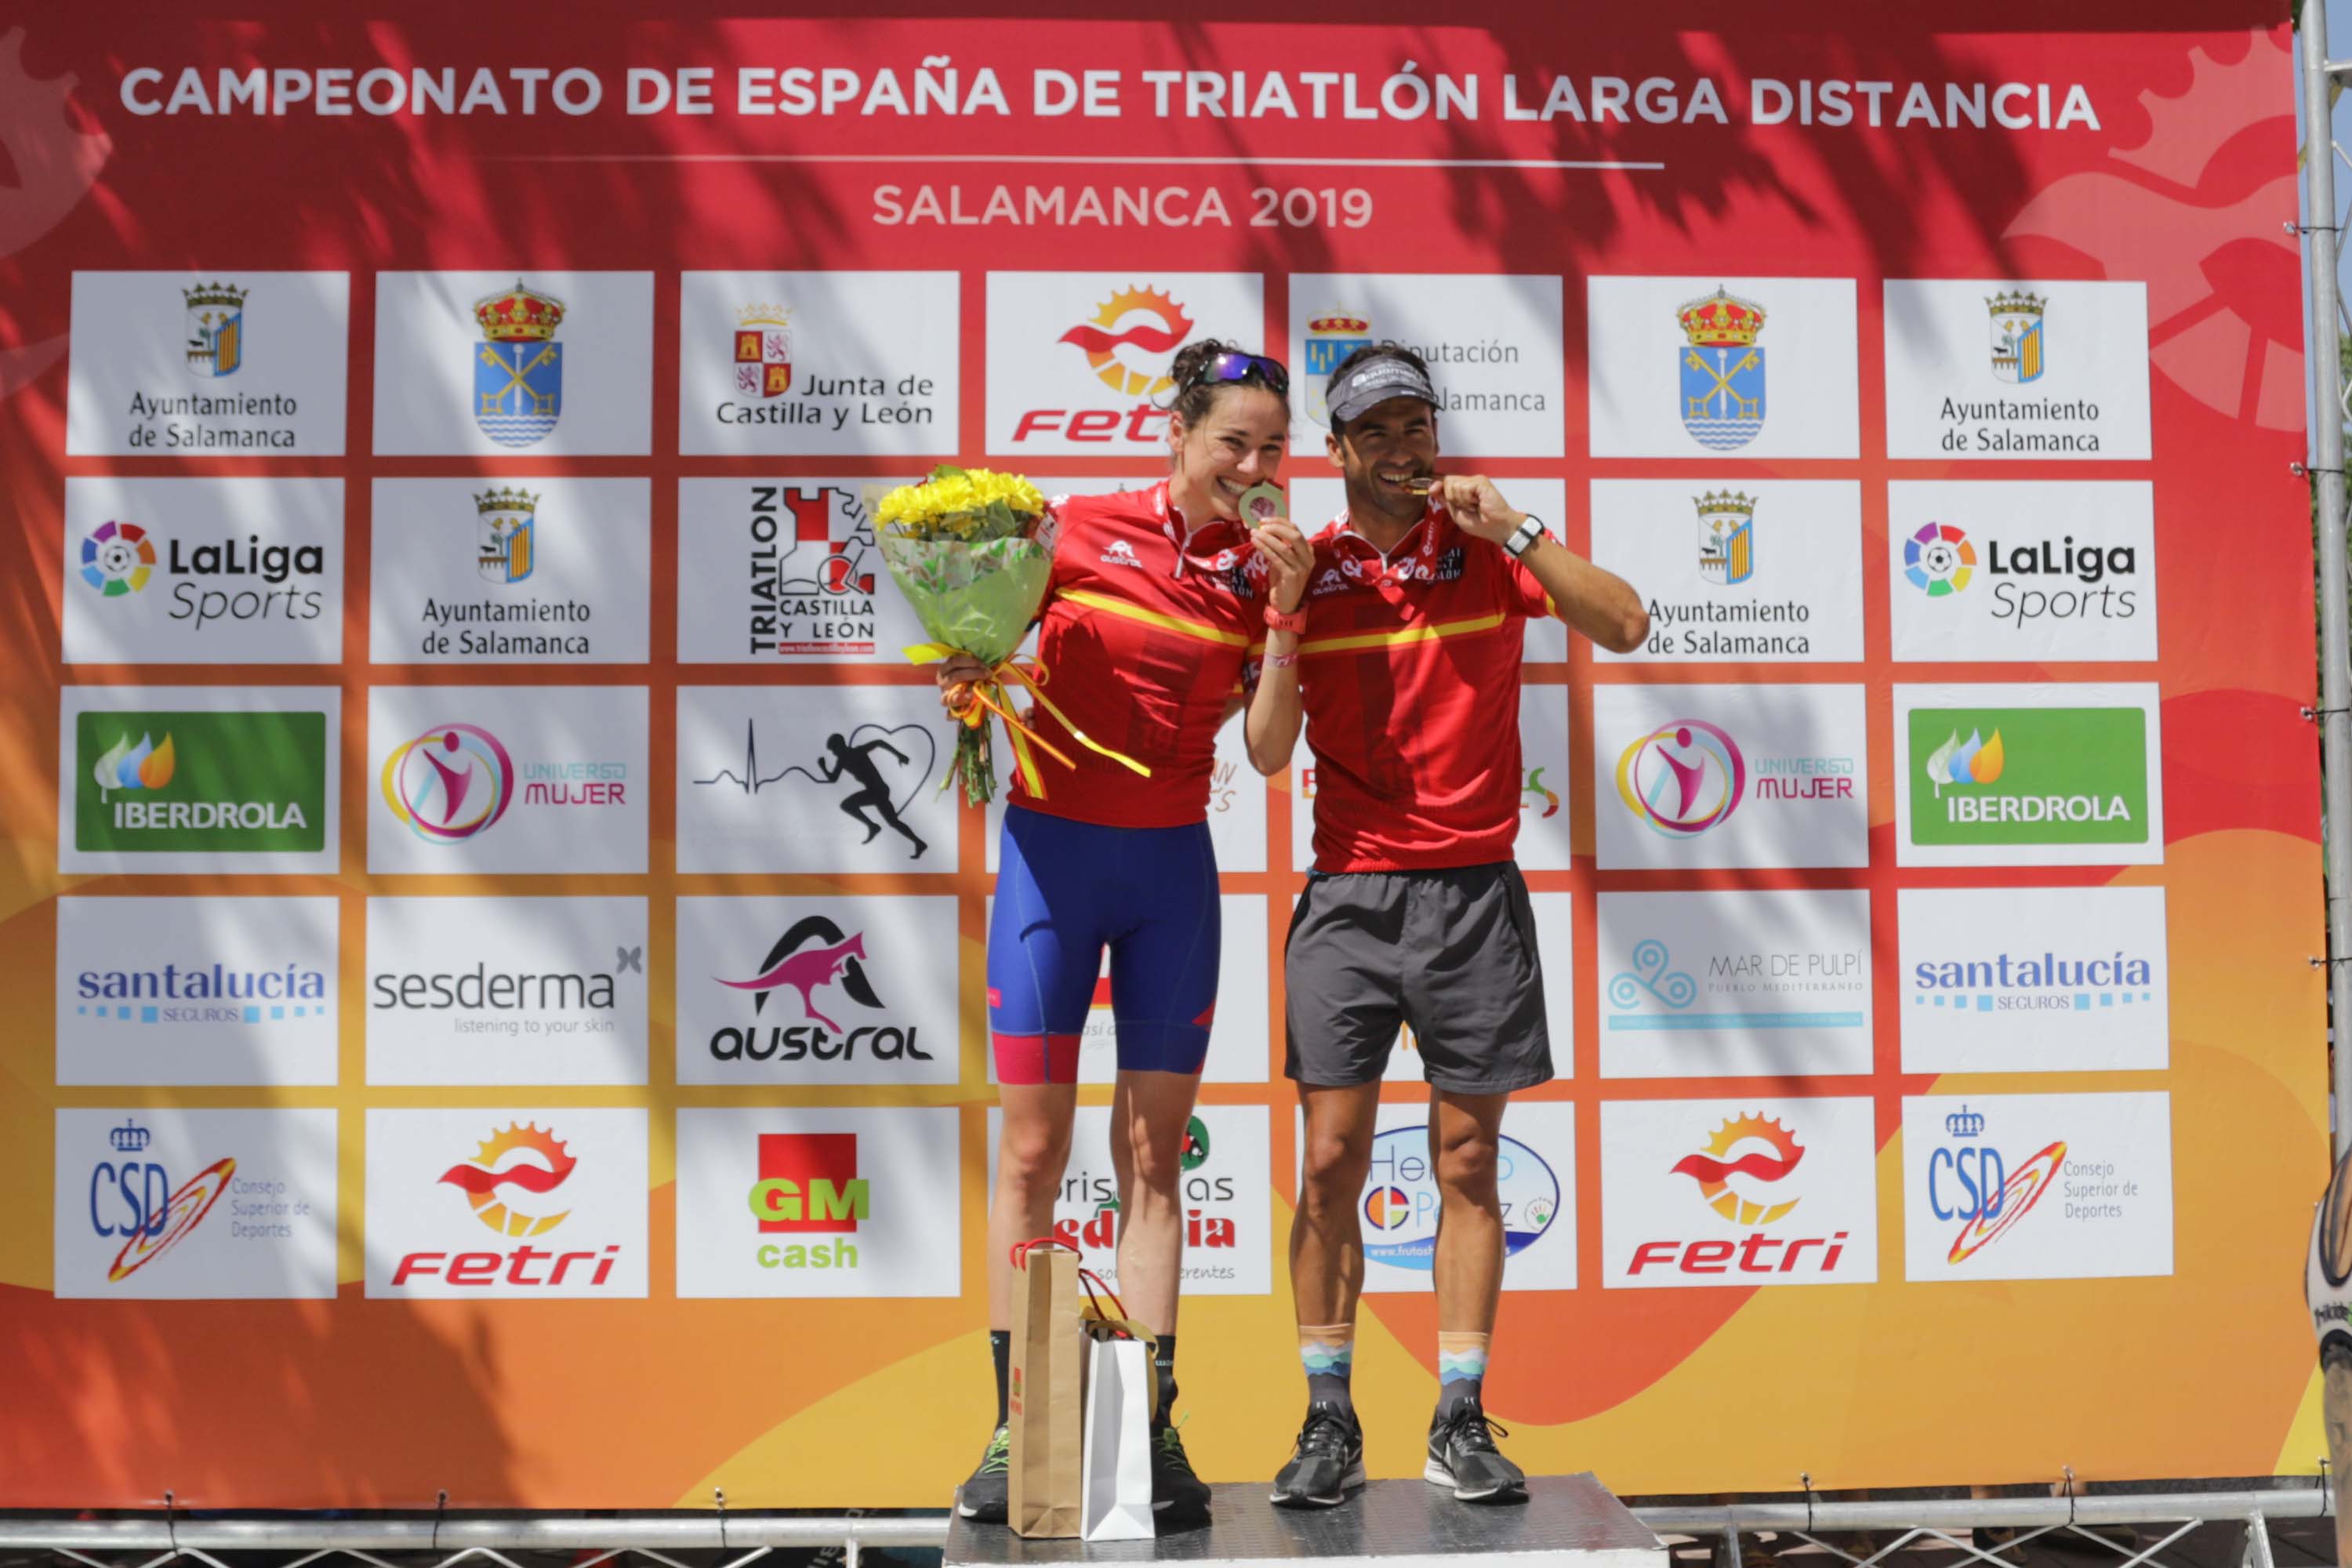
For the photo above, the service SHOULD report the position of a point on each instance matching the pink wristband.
(1280, 660)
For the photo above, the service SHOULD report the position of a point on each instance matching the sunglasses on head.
(1239, 366)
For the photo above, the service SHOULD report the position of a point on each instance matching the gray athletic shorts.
(1451, 954)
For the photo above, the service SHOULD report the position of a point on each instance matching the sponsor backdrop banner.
(473, 837)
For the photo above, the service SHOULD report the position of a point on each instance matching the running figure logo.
(884, 765)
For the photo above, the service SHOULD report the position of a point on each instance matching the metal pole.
(2335, 614)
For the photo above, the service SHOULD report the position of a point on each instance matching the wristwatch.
(1295, 621)
(1529, 530)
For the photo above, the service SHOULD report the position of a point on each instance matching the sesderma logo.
(200, 782)
(2029, 775)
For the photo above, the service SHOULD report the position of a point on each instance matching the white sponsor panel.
(1401, 1204)
(786, 571)
(791, 1202)
(807, 991)
(1077, 361)
(542, 363)
(817, 364)
(196, 990)
(2037, 1186)
(814, 778)
(2002, 370)
(1689, 776)
(2035, 979)
(1715, 365)
(1737, 1192)
(530, 1204)
(1735, 984)
(506, 779)
(1237, 801)
(191, 1206)
(1492, 343)
(242, 571)
(502, 570)
(1316, 501)
(506, 990)
(1237, 1036)
(218, 363)
(1745, 571)
(1545, 820)
(2031, 773)
(2035, 571)
(170, 779)
(1224, 1185)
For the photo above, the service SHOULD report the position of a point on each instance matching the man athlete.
(857, 761)
(1408, 670)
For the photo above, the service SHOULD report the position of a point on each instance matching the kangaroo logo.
(839, 959)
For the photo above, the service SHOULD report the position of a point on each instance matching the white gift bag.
(1116, 1446)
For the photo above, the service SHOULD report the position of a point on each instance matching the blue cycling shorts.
(1064, 890)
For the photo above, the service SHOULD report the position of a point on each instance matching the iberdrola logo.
(1975, 762)
(125, 766)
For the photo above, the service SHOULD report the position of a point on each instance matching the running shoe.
(1327, 1460)
(983, 1496)
(1463, 1456)
(1176, 1491)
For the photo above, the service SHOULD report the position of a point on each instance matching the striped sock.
(1328, 1352)
(1460, 1369)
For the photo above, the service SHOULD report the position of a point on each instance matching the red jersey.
(1409, 673)
(1146, 626)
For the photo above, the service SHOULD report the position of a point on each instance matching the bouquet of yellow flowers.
(962, 546)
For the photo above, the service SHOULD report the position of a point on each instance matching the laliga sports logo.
(1713, 1172)
(1101, 344)
(1938, 560)
(479, 1179)
(117, 559)
(1682, 778)
(451, 782)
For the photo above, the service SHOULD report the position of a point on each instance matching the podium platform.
(1570, 1522)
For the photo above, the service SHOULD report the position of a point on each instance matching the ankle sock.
(1327, 1353)
(1164, 1362)
(1460, 1369)
(1000, 1351)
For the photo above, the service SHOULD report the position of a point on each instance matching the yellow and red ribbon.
(988, 696)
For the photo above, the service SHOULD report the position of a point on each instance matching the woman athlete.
(1158, 600)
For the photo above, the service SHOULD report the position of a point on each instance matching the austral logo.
(812, 960)
(808, 1186)
(1128, 344)
(1742, 1174)
(2029, 775)
(513, 1185)
(200, 782)
(810, 560)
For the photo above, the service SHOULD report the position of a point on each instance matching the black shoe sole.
(1354, 1478)
(1436, 1474)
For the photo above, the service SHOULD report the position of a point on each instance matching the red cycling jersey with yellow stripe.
(1409, 673)
(1145, 631)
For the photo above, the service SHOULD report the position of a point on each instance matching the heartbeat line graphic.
(749, 781)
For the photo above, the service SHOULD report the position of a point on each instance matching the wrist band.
(1529, 532)
(1280, 660)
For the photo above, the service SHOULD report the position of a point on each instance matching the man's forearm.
(1597, 603)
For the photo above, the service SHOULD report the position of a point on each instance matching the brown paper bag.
(1047, 1403)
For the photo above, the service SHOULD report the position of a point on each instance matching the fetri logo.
(809, 1184)
(1740, 1170)
(451, 783)
(1682, 778)
(1712, 1169)
(507, 1184)
(1129, 343)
